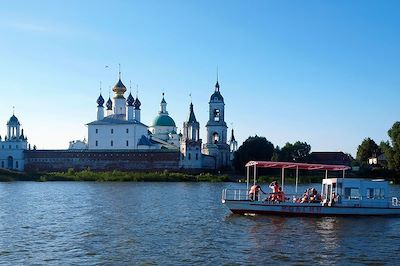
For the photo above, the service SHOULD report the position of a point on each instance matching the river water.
(88, 223)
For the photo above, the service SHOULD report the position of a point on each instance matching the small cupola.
(100, 101)
(130, 100)
(137, 104)
(109, 104)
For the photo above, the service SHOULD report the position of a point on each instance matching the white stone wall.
(119, 134)
(191, 157)
(15, 149)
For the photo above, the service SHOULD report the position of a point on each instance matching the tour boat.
(339, 196)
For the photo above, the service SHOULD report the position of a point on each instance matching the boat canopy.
(300, 166)
(292, 165)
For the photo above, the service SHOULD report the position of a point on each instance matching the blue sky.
(324, 72)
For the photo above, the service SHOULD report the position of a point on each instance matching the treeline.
(260, 149)
(386, 166)
(383, 158)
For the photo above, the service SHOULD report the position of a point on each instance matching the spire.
(192, 117)
(119, 71)
(217, 84)
(163, 100)
(232, 136)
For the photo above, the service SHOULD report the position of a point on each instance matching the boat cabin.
(355, 192)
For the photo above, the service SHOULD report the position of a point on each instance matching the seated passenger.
(280, 196)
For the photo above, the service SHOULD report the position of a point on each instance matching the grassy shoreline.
(112, 176)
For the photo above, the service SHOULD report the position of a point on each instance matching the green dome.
(164, 120)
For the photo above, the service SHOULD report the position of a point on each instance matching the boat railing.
(243, 194)
(235, 194)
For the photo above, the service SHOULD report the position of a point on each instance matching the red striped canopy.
(301, 166)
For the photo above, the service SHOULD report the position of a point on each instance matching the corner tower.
(216, 144)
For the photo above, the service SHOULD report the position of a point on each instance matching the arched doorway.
(10, 162)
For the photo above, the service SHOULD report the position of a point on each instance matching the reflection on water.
(173, 223)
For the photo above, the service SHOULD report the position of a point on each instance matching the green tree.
(297, 152)
(254, 148)
(392, 149)
(367, 149)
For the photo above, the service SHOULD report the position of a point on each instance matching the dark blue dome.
(109, 104)
(130, 100)
(13, 121)
(137, 104)
(100, 101)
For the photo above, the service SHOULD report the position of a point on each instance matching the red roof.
(302, 166)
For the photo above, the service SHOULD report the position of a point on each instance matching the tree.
(367, 149)
(297, 152)
(254, 148)
(392, 149)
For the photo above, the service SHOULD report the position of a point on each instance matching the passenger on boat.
(280, 196)
(314, 196)
(305, 197)
(254, 192)
(274, 186)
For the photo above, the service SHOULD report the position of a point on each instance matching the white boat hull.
(306, 209)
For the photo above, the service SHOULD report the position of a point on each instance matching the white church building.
(118, 129)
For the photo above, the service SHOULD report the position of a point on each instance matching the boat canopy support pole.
(255, 174)
(248, 177)
(326, 174)
(297, 177)
(283, 178)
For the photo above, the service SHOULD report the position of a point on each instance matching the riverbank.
(112, 176)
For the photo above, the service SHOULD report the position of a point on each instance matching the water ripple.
(173, 223)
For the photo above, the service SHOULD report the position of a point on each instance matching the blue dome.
(100, 101)
(13, 121)
(216, 96)
(109, 104)
(130, 100)
(137, 103)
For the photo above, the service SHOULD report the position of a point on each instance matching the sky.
(323, 72)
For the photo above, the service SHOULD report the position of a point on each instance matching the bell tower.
(216, 144)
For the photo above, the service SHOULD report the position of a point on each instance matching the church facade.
(118, 139)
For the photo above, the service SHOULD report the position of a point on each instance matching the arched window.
(216, 115)
(2, 164)
(10, 162)
(16, 164)
(112, 143)
(189, 156)
(197, 156)
(215, 137)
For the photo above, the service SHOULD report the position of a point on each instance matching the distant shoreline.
(112, 176)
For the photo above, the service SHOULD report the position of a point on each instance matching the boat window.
(375, 193)
(352, 193)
